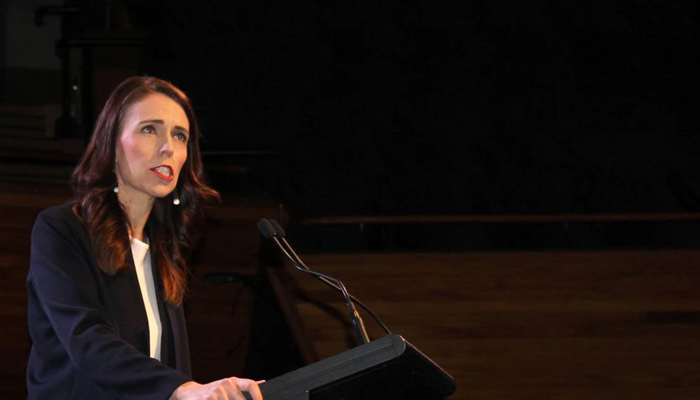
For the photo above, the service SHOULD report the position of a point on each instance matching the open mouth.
(164, 172)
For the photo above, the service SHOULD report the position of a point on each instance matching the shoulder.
(60, 212)
(58, 220)
(60, 245)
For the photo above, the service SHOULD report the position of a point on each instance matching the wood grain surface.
(526, 325)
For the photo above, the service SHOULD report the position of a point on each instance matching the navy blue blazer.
(89, 329)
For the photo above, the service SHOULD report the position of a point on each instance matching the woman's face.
(151, 149)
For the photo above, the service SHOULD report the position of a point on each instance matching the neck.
(137, 221)
(137, 213)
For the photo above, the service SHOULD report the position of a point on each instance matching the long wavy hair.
(172, 230)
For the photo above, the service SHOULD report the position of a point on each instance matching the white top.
(144, 272)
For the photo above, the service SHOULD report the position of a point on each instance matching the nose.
(167, 146)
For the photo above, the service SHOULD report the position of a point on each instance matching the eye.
(148, 129)
(180, 136)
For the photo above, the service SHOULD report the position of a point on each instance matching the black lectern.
(386, 368)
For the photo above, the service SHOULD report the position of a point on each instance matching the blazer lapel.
(179, 329)
(176, 328)
(127, 306)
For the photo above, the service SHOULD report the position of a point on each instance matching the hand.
(224, 389)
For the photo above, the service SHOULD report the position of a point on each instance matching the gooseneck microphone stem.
(355, 317)
(279, 232)
(268, 230)
(319, 275)
(357, 323)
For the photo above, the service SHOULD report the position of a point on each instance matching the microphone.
(271, 230)
(279, 232)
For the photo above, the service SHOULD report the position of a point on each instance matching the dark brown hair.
(173, 230)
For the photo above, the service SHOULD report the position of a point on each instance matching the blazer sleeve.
(65, 281)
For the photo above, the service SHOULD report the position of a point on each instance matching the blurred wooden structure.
(526, 325)
(19, 205)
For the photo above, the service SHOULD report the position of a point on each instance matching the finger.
(219, 393)
(214, 384)
(208, 390)
(251, 387)
(233, 390)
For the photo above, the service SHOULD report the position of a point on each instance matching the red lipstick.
(164, 172)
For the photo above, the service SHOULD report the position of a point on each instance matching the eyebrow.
(160, 121)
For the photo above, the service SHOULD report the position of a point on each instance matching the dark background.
(464, 107)
(461, 107)
(379, 108)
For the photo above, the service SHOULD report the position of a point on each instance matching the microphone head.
(266, 228)
(278, 229)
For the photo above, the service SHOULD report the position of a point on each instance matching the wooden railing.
(496, 219)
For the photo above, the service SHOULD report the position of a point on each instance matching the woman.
(108, 272)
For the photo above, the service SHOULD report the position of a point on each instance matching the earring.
(114, 170)
(176, 199)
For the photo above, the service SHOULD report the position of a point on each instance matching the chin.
(162, 193)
